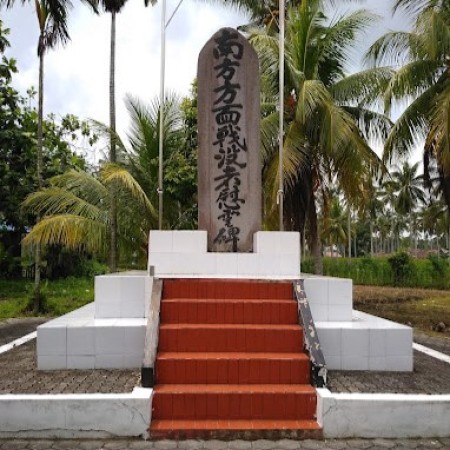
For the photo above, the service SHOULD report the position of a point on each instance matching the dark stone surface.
(229, 168)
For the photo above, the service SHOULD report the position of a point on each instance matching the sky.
(77, 75)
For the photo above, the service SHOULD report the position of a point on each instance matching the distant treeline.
(397, 270)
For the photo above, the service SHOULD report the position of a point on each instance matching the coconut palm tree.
(422, 59)
(52, 18)
(76, 211)
(327, 124)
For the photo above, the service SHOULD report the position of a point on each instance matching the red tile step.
(230, 338)
(234, 402)
(232, 368)
(231, 289)
(235, 429)
(228, 311)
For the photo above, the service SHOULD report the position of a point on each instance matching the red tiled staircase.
(230, 362)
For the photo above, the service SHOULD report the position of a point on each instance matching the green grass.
(61, 296)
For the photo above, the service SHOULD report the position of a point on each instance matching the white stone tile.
(399, 363)
(399, 342)
(132, 309)
(107, 289)
(289, 265)
(339, 313)
(81, 362)
(133, 360)
(227, 264)
(355, 363)
(202, 263)
(109, 361)
(355, 343)
(51, 341)
(266, 242)
(51, 362)
(316, 289)
(377, 363)
(319, 311)
(268, 264)
(340, 291)
(107, 310)
(289, 243)
(134, 339)
(80, 341)
(162, 262)
(109, 340)
(160, 241)
(189, 241)
(131, 288)
(377, 343)
(330, 341)
(247, 264)
(333, 362)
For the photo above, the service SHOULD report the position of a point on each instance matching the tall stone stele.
(229, 169)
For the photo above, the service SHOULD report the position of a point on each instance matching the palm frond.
(70, 231)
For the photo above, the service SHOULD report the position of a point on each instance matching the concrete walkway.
(359, 444)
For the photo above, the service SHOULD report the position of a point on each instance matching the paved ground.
(441, 343)
(285, 444)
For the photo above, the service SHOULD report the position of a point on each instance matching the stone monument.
(229, 169)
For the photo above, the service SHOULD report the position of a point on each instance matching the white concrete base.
(80, 341)
(383, 415)
(184, 254)
(366, 343)
(76, 415)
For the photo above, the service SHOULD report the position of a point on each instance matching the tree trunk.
(40, 183)
(349, 232)
(371, 237)
(112, 155)
(314, 236)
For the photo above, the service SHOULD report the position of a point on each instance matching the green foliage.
(401, 268)
(62, 296)
(397, 270)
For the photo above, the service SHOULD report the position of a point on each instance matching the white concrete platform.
(383, 415)
(184, 254)
(106, 334)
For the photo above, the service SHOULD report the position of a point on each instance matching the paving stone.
(336, 445)
(427, 443)
(406, 443)
(94, 444)
(383, 443)
(164, 445)
(310, 444)
(262, 444)
(39, 445)
(145, 445)
(13, 444)
(117, 444)
(287, 444)
(239, 445)
(359, 443)
(215, 444)
(190, 444)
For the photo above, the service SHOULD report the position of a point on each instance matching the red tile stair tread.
(229, 326)
(228, 300)
(232, 355)
(251, 424)
(234, 389)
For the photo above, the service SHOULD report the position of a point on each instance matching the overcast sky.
(77, 75)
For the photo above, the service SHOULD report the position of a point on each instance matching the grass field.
(62, 296)
(421, 308)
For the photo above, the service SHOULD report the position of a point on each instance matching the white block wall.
(330, 299)
(366, 343)
(184, 253)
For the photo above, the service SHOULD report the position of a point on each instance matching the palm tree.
(76, 211)
(423, 78)
(326, 122)
(52, 18)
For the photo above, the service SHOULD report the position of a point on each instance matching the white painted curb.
(383, 415)
(76, 415)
